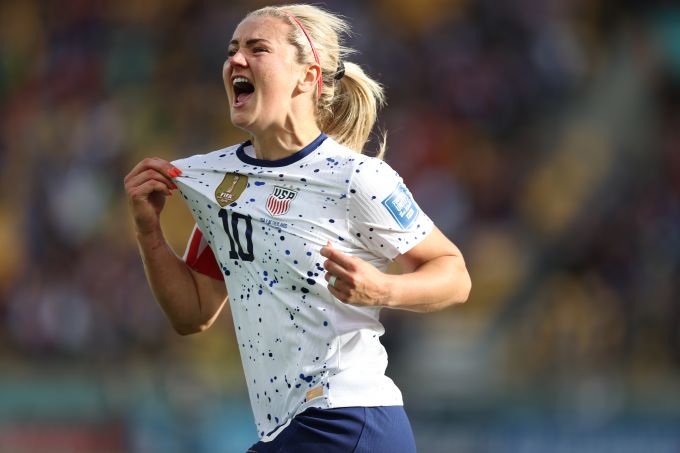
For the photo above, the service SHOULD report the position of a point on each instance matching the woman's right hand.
(147, 185)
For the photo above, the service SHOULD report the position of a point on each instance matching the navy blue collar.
(241, 154)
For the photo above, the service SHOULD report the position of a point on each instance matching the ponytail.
(353, 109)
(348, 106)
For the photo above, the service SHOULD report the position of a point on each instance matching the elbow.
(459, 293)
(185, 329)
(463, 288)
(466, 287)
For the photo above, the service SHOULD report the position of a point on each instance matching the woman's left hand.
(356, 282)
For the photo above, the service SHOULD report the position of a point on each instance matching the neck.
(275, 143)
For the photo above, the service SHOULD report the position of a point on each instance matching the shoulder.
(372, 173)
(359, 166)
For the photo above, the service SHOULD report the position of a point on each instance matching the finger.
(338, 257)
(326, 249)
(162, 166)
(149, 186)
(341, 285)
(338, 294)
(148, 175)
(143, 191)
(340, 272)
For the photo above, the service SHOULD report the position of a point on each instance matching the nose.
(238, 59)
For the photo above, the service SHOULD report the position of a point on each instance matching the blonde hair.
(347, 108)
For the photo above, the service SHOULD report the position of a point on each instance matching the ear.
(309, 80)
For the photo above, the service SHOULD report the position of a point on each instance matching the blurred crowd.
(543, 137)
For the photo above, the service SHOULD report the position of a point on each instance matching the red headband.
(316, 55)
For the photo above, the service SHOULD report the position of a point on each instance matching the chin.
(240, 119)
(242, 124)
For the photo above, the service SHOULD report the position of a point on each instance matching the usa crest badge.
(278, 203)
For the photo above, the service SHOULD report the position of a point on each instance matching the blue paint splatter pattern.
(293, 335)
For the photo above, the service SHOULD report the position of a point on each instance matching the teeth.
(239, 79)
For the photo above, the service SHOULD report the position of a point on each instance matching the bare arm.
(190, 300)
(434, 277)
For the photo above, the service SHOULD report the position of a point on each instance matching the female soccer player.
(298, 227)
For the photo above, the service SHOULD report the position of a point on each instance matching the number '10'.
(231, 228)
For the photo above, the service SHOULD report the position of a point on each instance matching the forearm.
(432, 286)
(172, 283)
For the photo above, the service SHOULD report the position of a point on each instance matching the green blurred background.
(542, 136)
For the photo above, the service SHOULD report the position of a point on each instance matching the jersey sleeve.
(383, 214)
(200, 257)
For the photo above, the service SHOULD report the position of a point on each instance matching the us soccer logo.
(278, 203)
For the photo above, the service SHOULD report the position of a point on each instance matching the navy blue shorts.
(382, 429)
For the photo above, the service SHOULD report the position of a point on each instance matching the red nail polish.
(174, 172)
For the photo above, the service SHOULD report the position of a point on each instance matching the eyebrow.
(250, 42)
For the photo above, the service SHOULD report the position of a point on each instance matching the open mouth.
(243, 89)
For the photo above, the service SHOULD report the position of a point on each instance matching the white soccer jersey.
(265, 222)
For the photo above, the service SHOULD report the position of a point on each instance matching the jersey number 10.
(233, 234)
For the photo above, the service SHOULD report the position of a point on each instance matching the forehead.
(273, 29)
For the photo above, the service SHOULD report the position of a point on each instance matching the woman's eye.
(259, 49)
(231, 52)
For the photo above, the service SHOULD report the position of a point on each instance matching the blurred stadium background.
(543, 136)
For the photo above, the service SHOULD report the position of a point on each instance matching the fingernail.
(174, 172)
(173, 185)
